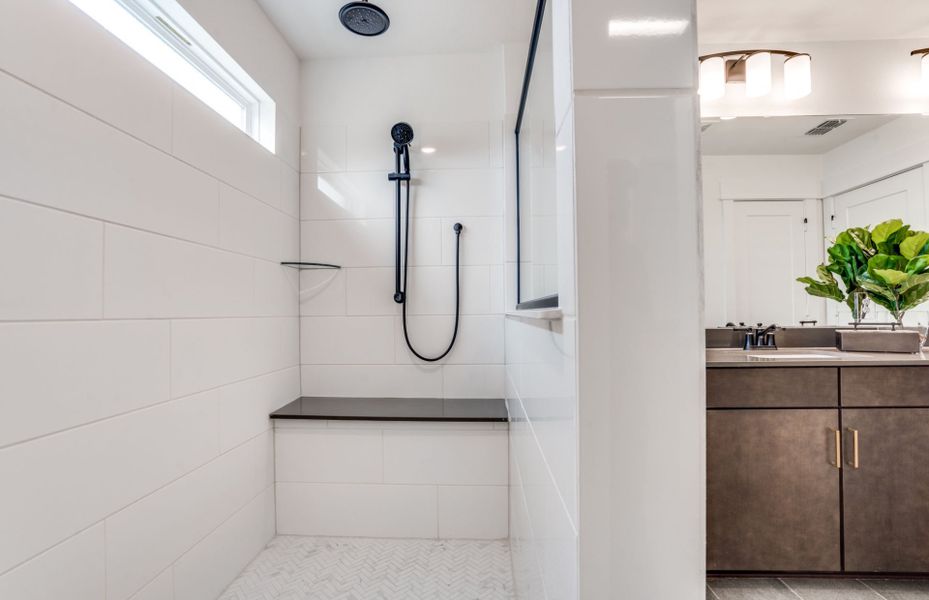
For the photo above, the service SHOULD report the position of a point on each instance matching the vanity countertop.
(809, 357)
(395, 409)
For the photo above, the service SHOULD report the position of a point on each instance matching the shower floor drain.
(313, 568)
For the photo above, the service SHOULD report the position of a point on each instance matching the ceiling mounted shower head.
(364, 18)
(402, 134)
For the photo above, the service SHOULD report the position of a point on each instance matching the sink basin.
(790, 356)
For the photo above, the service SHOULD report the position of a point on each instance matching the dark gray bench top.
(395, 409)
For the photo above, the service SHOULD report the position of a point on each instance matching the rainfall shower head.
(364, 18)
(402, 134)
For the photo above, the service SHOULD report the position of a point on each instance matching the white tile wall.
(392, 479)
(36, 242)
(72, 569)
(358, 510)
(146, 329)
(347, 212)
(101, 369)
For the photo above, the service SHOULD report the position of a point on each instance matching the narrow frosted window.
(168, 37)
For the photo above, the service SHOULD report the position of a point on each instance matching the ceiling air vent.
(826, 126)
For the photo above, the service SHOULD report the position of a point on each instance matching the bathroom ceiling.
(416, 26)
(730, 21)
(782, 135)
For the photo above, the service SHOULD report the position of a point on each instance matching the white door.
(897, 197)
(771, 243)
(903, 197)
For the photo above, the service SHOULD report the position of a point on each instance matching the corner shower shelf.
(309, 266)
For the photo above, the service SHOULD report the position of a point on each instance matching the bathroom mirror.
(776, 190)
(536, 222)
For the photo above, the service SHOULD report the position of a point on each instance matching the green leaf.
(823, 290)
(913, 281)
(883, 231)
(877, 288)
(918, 264)
(914, 296)
(886, 261)
(891, 276)
(913, 245)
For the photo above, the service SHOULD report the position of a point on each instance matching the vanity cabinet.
(886, 496)
(776, 499)
(772, 494)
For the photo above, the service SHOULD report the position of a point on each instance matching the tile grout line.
(864, 583)
(793, 591)
(711, 590)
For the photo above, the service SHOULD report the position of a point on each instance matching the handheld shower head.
(402, 134)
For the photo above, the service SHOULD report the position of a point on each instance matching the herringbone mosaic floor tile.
(312, 568)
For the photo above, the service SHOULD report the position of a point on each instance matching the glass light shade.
(713, 78)
(798, 76)
(758, 75)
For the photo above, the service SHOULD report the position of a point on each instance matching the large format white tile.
(72, 57)
(276, 289)
(371, 291)
(388, 381)
(244, 407)
(98, 171)
(473, 381)
(369, 242)
(473, 512)
(78, 477)
(160, 588)
(481, 241)
(100, 369)
(206, 140)
(347, 340)
(445, 457)
(290, 191)
(431, 290)
(369, 195)
(206, 570)
(148, 536)
(479, 341)
(329, 456)
(357, 510)
(149, 275)
(322, 146)
(50, 263)
(250, 226)
(74, 569)
(322, 292)
(207, 353)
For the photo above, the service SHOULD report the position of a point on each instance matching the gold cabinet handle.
(854, 433)
(838, 449)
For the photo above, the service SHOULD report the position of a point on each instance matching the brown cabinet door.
(886, 498)
(885, 386)
(772, 490)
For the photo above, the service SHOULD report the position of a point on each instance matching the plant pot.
(878, 340)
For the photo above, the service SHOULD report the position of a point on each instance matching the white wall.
(352, 341)
(541, 386)
(853, 77)
(731, 178)
(146, 328)
(640, 355)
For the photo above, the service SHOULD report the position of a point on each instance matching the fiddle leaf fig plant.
(888, 264)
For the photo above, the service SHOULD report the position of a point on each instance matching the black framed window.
(536, 215)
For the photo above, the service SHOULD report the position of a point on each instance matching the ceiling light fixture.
(427, 150)
(923, 53)
(753, 68)
(646, 27)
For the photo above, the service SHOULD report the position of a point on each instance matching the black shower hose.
(406, 253)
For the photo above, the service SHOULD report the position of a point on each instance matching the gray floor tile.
(709, 593)
(750, 589)
(900, 589)
(830, 589)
